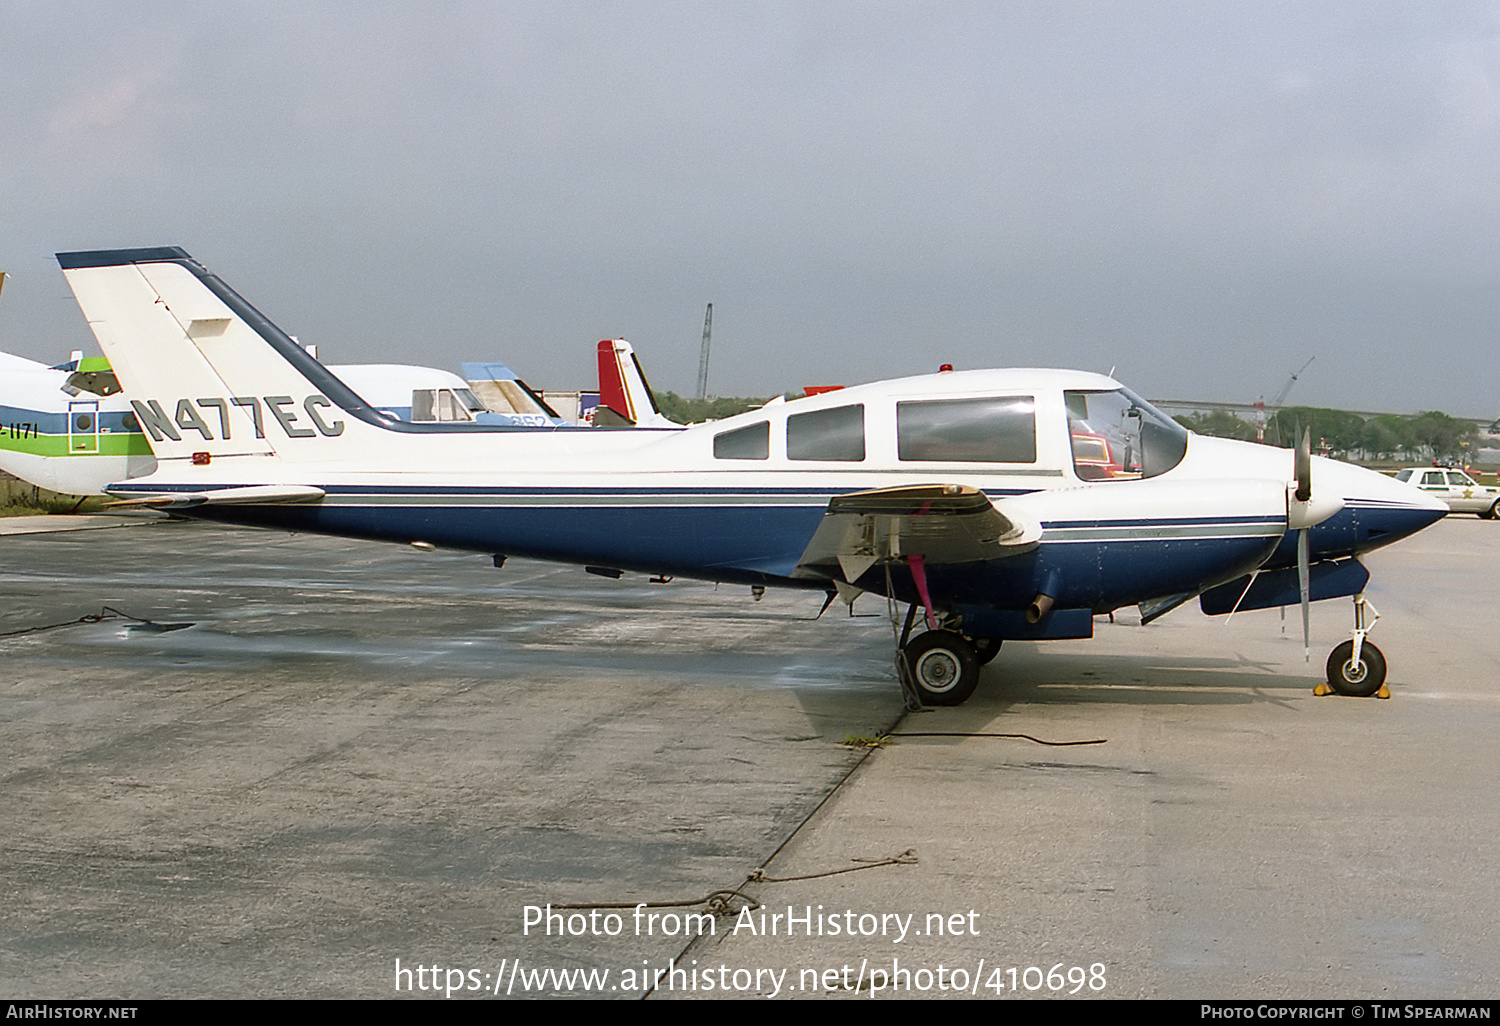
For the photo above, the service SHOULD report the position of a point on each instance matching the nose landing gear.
(1356, 667)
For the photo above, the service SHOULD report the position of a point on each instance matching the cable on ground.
(1025, 737)
(719, 902)
(105, 613)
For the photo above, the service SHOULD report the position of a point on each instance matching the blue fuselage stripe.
(760, 534)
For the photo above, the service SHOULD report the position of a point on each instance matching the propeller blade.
(1304, 586)
(1304, 574)
(1304, 466)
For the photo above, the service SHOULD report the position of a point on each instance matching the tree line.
(1423, 436)
(684, 410)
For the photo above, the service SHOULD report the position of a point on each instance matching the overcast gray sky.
(1200, 195)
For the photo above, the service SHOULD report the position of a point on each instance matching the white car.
(1461, 492)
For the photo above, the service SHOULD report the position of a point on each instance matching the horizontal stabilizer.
(259, 494)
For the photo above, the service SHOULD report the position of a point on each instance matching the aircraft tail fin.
(623, 389)
(502, 392)
(208, 375)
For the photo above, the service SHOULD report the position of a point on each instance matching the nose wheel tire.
(1360, 681)
(944, 667)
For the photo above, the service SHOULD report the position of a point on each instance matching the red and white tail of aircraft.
(623, 390)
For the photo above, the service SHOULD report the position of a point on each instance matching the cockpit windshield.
(1118, 436)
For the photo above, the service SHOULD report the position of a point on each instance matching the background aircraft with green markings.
(69, 429)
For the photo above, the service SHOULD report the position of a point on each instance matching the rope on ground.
(719, 902)
(1025, 737)
(105, 613)
(906, 858)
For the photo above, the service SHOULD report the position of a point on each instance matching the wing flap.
(940, 523)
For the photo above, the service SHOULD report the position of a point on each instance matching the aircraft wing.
(940, 523)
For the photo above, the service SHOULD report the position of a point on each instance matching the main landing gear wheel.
(1360, 681)
(944, 667)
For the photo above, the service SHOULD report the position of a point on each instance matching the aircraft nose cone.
(1386, 510)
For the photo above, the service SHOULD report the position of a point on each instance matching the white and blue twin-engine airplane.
(1006, 504)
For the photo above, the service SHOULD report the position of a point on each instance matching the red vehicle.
(1093, 460)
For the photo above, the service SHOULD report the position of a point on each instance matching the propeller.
(1304, 572)
(1304, 466)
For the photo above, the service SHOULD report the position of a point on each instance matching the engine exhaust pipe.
(1040, 607)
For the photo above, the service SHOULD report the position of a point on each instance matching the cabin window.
(835, 435)
(423, 405)
(1118, 436)
(450, 407)
(466, 398)
(746, 443)
(995, 429)
(443, 404)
